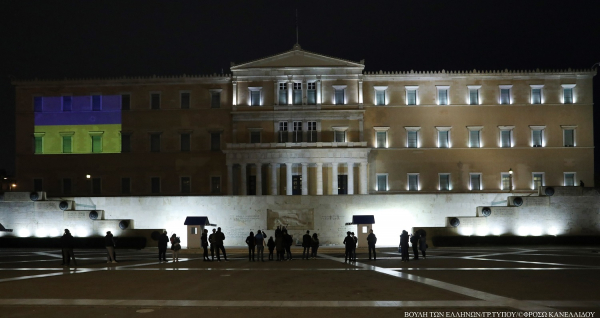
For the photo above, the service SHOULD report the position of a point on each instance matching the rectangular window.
(413, 182)
(379, 97)
(311, 94)
(67, 103)
(312, 131)
(125, 185)
(411, 97)
(38, 145)
(215, 99)
(297, 93)
(194, 230)
(67, 186)
(96, 185)
(215, 141)
(38, 104)
(444, 182)
(155, 185)
(38, 185)
(125, 143)
(443, 139)
(538, 180)
(442, 96)
(186, 185)
(215, 185)
(569, 137)
(536, 95)
(185, 142)
(537, 136)
(568, 95)
(283, 132)
(184, 99)
(96, 144)
(382, 182)
(474, 138)
(474, 96)
(339, 136)
(505, 96)
(255, 98)
(67, 142)
(155, 101)
(412, 139)
(154, 142)
(297, 131)
(96, 103)
(125, 102)
(283, 94)
(381, 139)
(475, 181)
(339, 96)
(505, 182)
(255, 137)
(569, 179)
(505, 138)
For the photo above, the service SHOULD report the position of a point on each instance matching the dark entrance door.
(297, 185)
(342, 184)
(251, 185)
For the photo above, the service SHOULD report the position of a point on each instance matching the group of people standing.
(282, 245)
(418, 241)
(351, 241)
(215, 241)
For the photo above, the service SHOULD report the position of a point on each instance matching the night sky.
(57, 39)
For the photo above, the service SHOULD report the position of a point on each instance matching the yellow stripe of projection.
(81, 138)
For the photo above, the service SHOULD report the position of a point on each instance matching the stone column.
(304, 178)
(363, 178)
(319, 95)
(259, 179)
(360, 92)
(234, 91)
(288, 178)
(304, 90)
(334, 178)
(229, 179)
(243, 184)
(290, 92)
(350, 178)
(275, 93)
(273, 179)
(319, 178)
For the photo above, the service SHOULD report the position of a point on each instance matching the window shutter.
(505, 96)
(568, 95)
(412, 139)
(215, 100)
(125, 102)
(413, 182)
(474, 139)
(475, 182)
(444, 182)
(185, 100)
(67, 103)
(474, 98)
(67, 145)
(38, 104)
(443, 96)
(505, 135)
(96, 102)
(339, 97)
(96, 143)
(443, 139)
(537, 138)
(569, 140)
(411, 96)
(536, 96)
(38, 144)
(381, 142)
(380, 97)
(382, 183)
(569, 180)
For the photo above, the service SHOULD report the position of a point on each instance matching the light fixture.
(87, 176)
(510, 171)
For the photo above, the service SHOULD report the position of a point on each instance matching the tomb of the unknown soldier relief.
(309, 142)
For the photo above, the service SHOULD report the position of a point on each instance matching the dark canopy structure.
(198, 220)
(362, 219)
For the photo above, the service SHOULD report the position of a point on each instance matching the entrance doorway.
(296, 185)
(342, 184)
(251, 185)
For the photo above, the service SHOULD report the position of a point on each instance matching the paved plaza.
(450, 280)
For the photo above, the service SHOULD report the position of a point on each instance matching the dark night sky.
(56, 39)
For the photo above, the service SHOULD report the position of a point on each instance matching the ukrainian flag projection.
(77, 124)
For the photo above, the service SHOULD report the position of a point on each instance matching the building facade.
(301, 123)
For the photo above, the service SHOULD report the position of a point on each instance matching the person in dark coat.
(414, 241)
(306, 244)
(371, 241)
(271, 246)
(349, 244)
(219, 237)
(66, 243)
(109, 242)
(315, 245)
(250, 241)
(211, 240)
(280, 245)
(288, 240)
(354, 248)
(404, 245)
(423, 244)
(204, 241)
(260, 238)
(163, 240)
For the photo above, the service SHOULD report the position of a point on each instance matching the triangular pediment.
(297, 58)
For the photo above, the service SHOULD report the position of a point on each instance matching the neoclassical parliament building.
(303, 123)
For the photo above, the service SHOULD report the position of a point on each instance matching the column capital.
(304, 164)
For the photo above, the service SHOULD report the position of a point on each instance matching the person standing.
(354, 247)
(110, 247)
(423, 244)
(250, 241)
(211, 240)
(404, 245)
(306, 244)
(414, 241)
(219, 238)
(349, 244)
(163, 240)
(315, 245)
(175, 247)
(371, 241)
(288, 241)
(271, 246)
(260, 246)
(279, 245)
(204, 242)
(67, 242)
